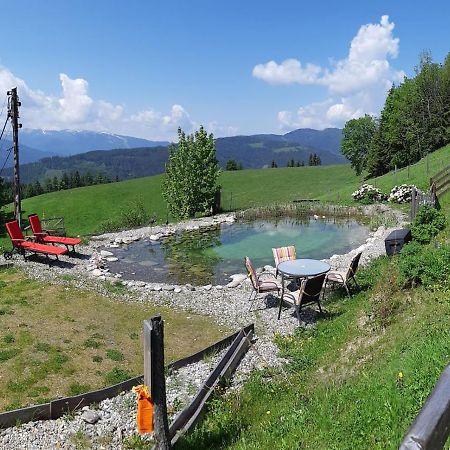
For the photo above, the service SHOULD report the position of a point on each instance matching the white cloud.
(288, 72)
(361, 80)
(75, 109)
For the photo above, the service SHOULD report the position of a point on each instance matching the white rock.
(154, 237)
(105, 253)
(233, 284)
(208, 287)
(238, 277)
(177, 290)
(97, 272)
(118, 240)
(90, 416)
(140, 283)
(157, 288)
(112, 259)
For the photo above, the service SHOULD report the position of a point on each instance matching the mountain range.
(126, 157)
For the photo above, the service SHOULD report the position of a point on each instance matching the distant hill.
(259, 150)
(27, 154)
(69, 142)
(256, 151)
(121, 163)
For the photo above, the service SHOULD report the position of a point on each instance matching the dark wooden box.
(396, 240)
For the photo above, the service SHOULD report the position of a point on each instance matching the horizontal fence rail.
(431, 428)
(57, 408)
(441, 181)
(189, 416)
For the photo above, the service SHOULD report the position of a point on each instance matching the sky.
(145, 67)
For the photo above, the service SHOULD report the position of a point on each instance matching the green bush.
(429, 221)
(134, 215)
(425, 265)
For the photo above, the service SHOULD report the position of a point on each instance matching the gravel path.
(226, 305)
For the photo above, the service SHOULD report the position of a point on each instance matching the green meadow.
(86, 209)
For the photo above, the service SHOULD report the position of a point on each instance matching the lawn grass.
(350, 383)
(58, 341)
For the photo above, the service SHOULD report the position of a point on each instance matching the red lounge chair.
(21, 244)
(45, 238)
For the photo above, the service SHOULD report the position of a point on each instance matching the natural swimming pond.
(210, 256)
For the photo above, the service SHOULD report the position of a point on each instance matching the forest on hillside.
(415, 121)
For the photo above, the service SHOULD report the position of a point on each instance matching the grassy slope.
(84, 209)
(341, 388)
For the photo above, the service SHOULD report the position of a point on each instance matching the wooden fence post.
(413, 204)
(147, 354)
(158, 385)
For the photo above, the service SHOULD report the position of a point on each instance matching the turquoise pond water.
(210, 256)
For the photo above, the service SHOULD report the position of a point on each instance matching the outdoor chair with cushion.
(261, 285)
(344, 277)
(309, 292)
(282, 254)
(44, 237)
(21, 244)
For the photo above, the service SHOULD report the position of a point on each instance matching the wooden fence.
(431, 428)
(440, 183)
(165, 436)
(419, 199)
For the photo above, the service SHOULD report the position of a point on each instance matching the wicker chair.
(344, 277)
(282, 254)
(261, 286)
(309, 292)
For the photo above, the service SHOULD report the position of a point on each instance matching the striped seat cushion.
(282, 254)
(269, 285)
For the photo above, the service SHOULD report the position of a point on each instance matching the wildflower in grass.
(267, 412)
(400, 376)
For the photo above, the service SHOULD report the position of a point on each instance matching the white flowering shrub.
(368, 194)
(401, 194)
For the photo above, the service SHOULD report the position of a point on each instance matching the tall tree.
(191, 178)
(356, 139)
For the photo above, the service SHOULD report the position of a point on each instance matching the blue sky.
(239, 67)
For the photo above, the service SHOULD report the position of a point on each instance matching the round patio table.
(301, 268)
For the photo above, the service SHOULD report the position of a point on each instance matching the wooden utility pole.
(13, 114)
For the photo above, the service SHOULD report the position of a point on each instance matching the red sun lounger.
(21, 244)
(44, 237)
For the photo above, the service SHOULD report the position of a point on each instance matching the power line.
(4, 126)
(6, 160)
(3, 107)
